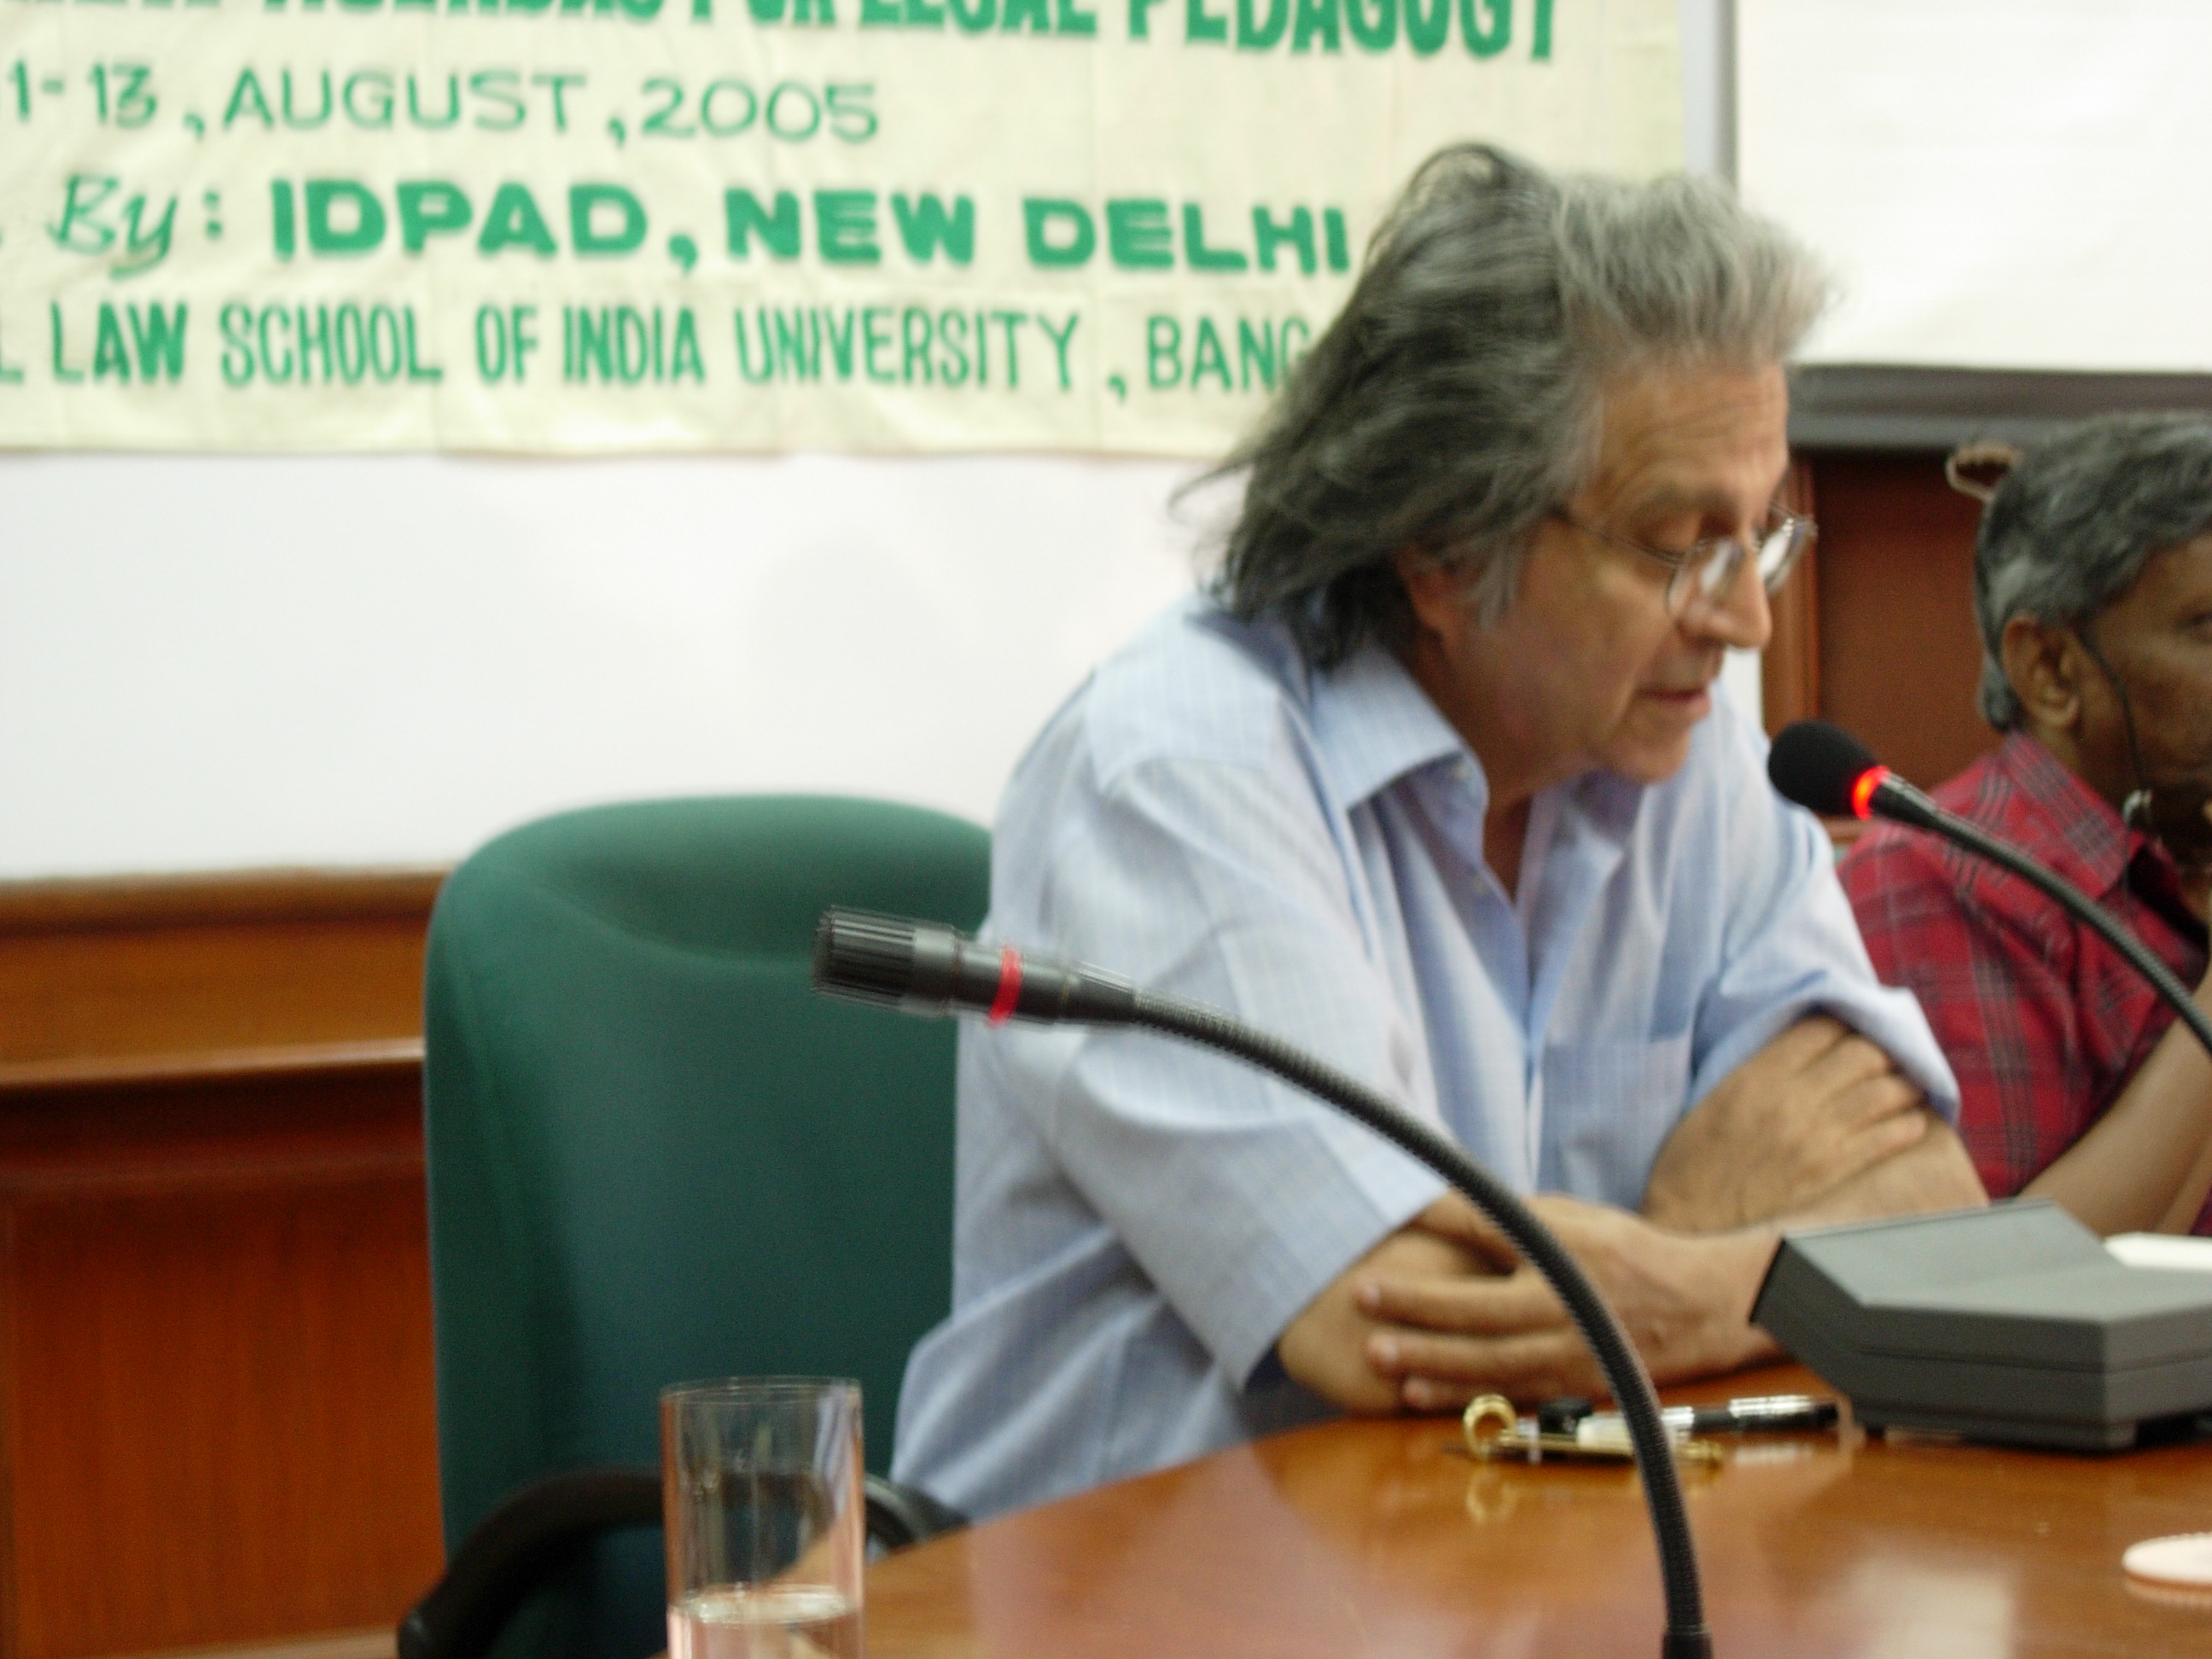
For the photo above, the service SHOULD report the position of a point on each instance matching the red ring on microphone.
(1862, 788)
(1010, 986)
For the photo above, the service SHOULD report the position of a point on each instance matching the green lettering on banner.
(924, 226)
(156, 334)
(1062, 338)
(246, 98)
(1317, 21)
(799, 345)
(1425, 29)
(871, 341)
(880, 14)
(1208, 355)
(952, 337)
(1040, 215)
(1339, 244)
(109, 360)
(427, 207)
(685, 363)
(1194, 250)
(1267, 236)
(974, 16)
(1162, 352)
(1014, 16)
(377, 116)
(63, 373)
(1253, 35)
(925, 15)
(1199, 24)
(585, 218)
(1377, 34)
(745, 370)
(841, 342)
(282, 233)
(306, 123)
(512, 220)
(914, 334)
(1071, 19)
(744, 216)
(1256, 355)
(1492, 36)
(326, 235)
(1140, 19)
(845, 226)
(236, 323)
(433, 124)
(494, 87)
(1540, 48)
(1012, 321)
(1137, 234)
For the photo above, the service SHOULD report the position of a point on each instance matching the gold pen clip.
(1493, 1431)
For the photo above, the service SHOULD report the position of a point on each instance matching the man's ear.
(2045, 665)
(1436, 593)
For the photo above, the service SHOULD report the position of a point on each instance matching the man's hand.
(1325, 1346)
(1816, 1107)
(1442, 1338)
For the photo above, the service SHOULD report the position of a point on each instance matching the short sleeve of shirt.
(1240, 1198)
(1999, 1005)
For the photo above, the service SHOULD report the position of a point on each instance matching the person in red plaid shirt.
(2092, 585)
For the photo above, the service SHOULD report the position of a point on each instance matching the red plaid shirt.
(2043, 1022)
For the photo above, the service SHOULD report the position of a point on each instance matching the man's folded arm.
(1239, 1197)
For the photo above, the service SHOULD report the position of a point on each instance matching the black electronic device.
(2011, 1324)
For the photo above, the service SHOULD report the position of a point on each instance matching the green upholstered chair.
(656, 1155)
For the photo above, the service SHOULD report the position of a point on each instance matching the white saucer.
(2183, 1562)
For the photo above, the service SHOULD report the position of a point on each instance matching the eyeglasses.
(1704, 571)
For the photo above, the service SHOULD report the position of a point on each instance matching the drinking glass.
(760, 1481)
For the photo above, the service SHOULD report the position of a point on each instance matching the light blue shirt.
(1138, 1219)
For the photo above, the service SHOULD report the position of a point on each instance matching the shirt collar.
(2063, 821)
(1372, 726)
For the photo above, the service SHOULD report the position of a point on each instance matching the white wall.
(211, 662)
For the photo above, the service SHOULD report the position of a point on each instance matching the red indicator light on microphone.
(1010, 986)
(1862, 788)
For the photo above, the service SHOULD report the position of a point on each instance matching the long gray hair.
(2074, 521)
(1455, 400)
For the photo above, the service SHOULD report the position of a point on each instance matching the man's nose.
(1739, 617)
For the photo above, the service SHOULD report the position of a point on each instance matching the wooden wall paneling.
(216, 1410)
(1789, 670)
(183, 965)
(1899, 654)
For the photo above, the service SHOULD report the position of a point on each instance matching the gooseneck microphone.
(1824, 768)
(924, 968)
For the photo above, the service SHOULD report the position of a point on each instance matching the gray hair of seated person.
(2070, 527)
(1455, 400)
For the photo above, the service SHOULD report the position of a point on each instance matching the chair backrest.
(656, 1155)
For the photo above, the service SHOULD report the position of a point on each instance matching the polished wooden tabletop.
(1385, 1539)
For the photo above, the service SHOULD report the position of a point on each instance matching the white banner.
(871, 225)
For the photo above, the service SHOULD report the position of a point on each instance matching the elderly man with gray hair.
(2093, 582)
(1432, 782)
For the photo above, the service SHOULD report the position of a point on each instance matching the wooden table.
(1383, 1538)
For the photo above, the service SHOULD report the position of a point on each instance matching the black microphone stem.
(929, 969)
(1686, 1636)
(1928, 816)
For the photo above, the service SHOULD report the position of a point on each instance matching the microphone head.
(1823, 768)
(866, 958)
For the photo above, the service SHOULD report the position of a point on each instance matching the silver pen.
(1775, 1413)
